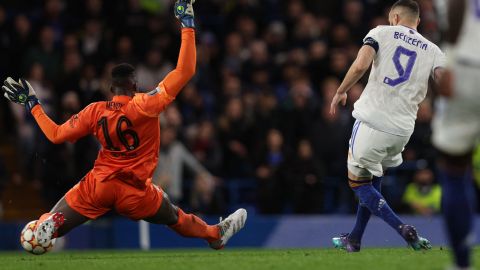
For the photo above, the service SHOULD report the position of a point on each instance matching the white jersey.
(467, 48)
(398, 82)
(456, 123)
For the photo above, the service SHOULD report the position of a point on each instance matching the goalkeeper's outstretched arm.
(153, 103)
(185, 69)
(22, 93)
(78, 126)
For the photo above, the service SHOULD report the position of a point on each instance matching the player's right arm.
(362, 63)
(153, 103)
(22, 93)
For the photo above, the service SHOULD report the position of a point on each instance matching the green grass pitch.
(229, 259)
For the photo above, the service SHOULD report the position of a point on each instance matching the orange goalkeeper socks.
(189, 225)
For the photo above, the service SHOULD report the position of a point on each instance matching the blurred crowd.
(256, 110)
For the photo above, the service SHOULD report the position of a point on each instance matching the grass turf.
(368, 259)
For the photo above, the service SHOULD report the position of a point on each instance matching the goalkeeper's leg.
(189, 225)
(58, 222)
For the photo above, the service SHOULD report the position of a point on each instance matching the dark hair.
(123, 75)
(411, 5)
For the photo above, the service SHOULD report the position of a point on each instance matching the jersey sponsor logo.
(410, 40)
(124, 155)
(404, 73)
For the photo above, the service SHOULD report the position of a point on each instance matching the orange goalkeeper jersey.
(127, 128)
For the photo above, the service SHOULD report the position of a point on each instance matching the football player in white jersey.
(456, 126)
(403, 62)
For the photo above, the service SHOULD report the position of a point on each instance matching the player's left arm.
(187, 59)
(153, 103)
(22, 93)
(442, 77)
(438, 75)
(362, 63)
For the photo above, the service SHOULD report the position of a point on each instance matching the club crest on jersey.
(73, 121)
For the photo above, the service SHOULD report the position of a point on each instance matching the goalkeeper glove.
(184, 12)
(20, 92)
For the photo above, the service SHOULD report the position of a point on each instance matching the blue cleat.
(345, 243)
(409, 233)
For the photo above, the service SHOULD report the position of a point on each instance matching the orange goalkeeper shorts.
(133, 199)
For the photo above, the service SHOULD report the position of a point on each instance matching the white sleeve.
(372, 39)
(439, 61)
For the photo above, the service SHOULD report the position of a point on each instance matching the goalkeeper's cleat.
(46, 230)
(229, 227)
(409, 233)
(345, 243)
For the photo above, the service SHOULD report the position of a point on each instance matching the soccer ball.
(29, 243)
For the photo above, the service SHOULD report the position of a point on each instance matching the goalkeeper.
(128, 129)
